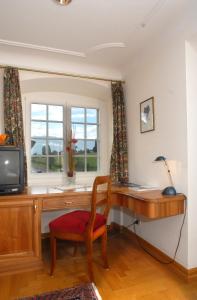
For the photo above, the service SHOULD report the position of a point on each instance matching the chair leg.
(89, 247)
(75, 249)
(53, 253)
(104, 249)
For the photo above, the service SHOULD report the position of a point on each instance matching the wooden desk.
(148, 204)
(20, 218)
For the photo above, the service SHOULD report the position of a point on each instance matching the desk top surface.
(63, 191)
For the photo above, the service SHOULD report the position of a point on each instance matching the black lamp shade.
(160, 158)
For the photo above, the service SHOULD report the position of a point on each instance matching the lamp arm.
(169, 173)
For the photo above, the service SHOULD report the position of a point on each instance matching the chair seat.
(75, 222)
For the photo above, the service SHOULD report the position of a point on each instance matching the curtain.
(13, 114)
(119, 157)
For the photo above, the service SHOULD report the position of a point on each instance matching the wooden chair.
(85, 226)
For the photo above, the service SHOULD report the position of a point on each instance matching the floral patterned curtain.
(13, 115)
(119, 157)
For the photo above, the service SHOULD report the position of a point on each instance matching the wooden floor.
(133, 274)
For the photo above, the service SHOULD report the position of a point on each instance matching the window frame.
(68, 100)
(47, 121)
(85, 123)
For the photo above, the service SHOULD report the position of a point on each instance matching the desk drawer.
(77, 201)
(122, 200)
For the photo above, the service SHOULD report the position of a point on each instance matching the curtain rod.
(63, 74)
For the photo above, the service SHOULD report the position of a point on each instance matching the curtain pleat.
(119, 157)
(13, 114)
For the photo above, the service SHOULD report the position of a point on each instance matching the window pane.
(55, 130)
(91, 147)
(78, 131)
(92, 132)
(38, 112)
(55, 113)
(92, 164)
(91, 115)
(79, 164)
(38, 164)
(38, 147)
(79, 147)
(56, 164)
(38, 129)
(77, 115)
(56, 147)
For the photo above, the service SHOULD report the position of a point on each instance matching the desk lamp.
(170, 190)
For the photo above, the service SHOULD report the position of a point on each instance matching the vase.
(71, 177)
(3, 138)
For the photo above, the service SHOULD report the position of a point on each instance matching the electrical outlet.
(138, 222)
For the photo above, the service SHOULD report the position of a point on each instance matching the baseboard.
(187, 274)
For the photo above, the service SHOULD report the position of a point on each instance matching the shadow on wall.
(75, 86)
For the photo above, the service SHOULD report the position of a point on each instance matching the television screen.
(11, 170)
(9, 167)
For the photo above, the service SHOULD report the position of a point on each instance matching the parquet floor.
(133, 274)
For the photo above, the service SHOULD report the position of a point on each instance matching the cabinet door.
(19, 228)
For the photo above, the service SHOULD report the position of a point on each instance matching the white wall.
(35, 59)
(191, 59)
(159, 71)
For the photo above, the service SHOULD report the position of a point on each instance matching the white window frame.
(70, 100)
(47, 138)
(85, 123)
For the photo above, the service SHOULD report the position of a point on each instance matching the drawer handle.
(68, 202)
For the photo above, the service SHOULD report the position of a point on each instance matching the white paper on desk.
(69, 187)
(143, 188)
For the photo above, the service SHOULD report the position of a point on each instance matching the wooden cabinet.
(20, 246)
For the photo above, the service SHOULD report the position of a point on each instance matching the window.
(47, 138)
(85, 128)
(47, 143)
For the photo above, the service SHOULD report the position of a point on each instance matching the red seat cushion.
(75, 222)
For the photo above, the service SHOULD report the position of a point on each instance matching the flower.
(71, 141)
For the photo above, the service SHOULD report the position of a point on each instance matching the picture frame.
(147, 117)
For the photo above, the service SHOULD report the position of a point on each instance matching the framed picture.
(147, 119)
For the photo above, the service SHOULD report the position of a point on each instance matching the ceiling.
(99, 32)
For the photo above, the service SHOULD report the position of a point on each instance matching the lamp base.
(170, 190)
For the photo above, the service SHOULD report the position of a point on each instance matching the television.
(11, 170)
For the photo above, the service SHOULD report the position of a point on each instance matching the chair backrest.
(101, 197)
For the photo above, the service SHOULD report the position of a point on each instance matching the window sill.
(60, 178)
